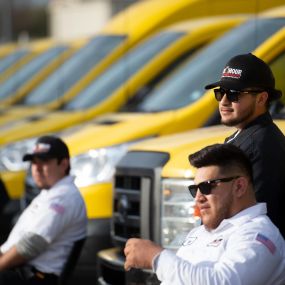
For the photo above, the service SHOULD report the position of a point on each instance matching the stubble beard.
(221, 214)
(42, 184)
(240, 120)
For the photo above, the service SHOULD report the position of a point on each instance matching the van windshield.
(10, 59)
(186, 84)
(73, 69)
(30, 69)
(121, 71)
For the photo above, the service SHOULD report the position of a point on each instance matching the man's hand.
(140, 253)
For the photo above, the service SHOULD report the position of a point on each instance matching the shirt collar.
(244, 216)
(260, 120)
(64, 180)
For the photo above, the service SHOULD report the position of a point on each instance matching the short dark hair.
(225, 156)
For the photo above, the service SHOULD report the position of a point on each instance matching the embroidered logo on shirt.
(189, 241)
(57, 208)
(215, 242)
(267, 242)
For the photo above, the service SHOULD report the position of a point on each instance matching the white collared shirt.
(246, 249)
(59, 216)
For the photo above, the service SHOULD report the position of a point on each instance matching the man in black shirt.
(244, 92)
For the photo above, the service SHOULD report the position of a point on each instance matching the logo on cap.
(231, 72)
(41, 147)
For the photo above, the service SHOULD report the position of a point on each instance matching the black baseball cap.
(48, 147)
(247, 71)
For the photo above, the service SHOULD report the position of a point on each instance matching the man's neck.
(245, 123)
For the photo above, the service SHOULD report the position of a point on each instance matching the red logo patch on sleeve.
(267, 242)
(57, 208)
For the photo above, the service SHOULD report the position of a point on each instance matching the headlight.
(178, 212)
(11, 155)
(97, 165)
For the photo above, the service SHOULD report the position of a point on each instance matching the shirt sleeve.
(245, 261)
(50, 221)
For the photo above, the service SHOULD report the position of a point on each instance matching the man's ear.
(65, 162)
(241, 185)
(262, 98)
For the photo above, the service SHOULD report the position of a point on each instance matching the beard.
(223, 212)
(241, 119)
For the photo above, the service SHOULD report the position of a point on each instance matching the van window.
(73, 69)
(186, 85)
(30, 69)
(121, 71)
(10, 59)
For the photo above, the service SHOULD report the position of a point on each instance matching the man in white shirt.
(237, 243)
(40, 242)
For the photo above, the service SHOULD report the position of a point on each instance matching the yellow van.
(143, 65)
(174, 106)
(154, 174)
(120, 34)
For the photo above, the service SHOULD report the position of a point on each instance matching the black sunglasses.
(205, 187)
(232, 95)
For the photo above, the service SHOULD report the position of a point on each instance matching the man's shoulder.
(260, 225)
(65, 191)
(260, 133)
(270, 134)
(66, 184)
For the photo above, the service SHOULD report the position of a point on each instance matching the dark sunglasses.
(232, 95)
(205, 187)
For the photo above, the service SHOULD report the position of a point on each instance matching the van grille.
(127, 207)
(133, 197)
